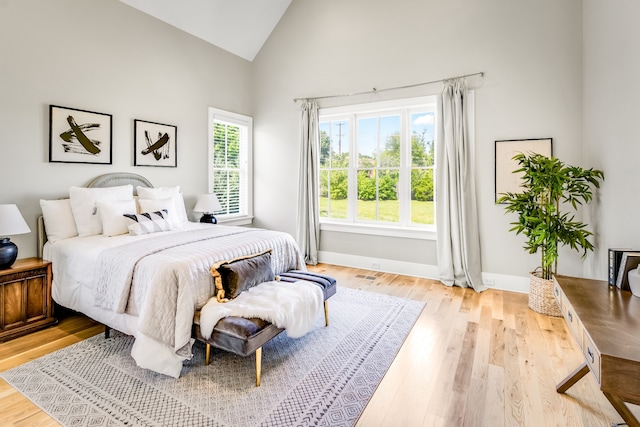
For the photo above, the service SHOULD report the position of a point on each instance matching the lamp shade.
(207, 203)
(11, 221)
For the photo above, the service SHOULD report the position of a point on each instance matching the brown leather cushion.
(239, 275)
(238, 335)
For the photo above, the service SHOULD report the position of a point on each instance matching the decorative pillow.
(58, 219)
(168, 205)
(111, 215)
(239, 274)
(165, 193)
(148, 222)
(83, 204)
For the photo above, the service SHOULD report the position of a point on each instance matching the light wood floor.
(471, 360)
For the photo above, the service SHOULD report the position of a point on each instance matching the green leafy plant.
(547, 186)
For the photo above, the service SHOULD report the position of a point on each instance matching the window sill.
(243, 220)
(381, 230)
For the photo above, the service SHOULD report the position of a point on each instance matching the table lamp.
(208, 204)
(11, 222)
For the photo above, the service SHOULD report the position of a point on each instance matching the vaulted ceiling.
(237, 26)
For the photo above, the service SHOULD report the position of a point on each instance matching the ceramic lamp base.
(8, 253)
(208, 218)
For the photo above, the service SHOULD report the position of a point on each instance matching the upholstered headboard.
(107, 180)
(120, 178)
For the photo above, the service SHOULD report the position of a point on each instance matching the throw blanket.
(292, 306)
(112, 283)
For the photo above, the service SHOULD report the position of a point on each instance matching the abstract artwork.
(155, 144)
(506, 180)
(79, 136)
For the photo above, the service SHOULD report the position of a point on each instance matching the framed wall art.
(155, 144)
(506, 180)
(79, 136)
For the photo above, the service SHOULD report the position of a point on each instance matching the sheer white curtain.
(308, 226)
(458, 243)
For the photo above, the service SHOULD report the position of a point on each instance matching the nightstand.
(25, 298)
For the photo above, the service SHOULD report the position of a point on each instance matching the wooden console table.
(605, 322)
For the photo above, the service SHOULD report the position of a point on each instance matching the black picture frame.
(155, 144)
(79, 136)
(505, 180)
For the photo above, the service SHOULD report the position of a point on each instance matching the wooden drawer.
(592, 355)
(558, 294)
(575, 326)
(573, 322)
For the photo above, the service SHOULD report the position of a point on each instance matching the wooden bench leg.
(326, 313)
(258, 362)
(258, 365)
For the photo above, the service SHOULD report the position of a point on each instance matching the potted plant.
(548, 187)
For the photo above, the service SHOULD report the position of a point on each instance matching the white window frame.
(246, 164)
(351, 224)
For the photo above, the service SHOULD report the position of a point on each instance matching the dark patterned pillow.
(148, 222)
(239, 274)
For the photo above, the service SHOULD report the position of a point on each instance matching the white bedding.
(186, 284)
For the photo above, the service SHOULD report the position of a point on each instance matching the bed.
(148, 278)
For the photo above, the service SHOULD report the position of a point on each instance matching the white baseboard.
(491, 280)
(506, 283)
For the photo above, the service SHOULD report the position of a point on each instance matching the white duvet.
(166, 286)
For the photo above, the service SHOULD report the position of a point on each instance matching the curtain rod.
(374, 90)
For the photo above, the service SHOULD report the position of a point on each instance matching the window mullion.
(353, 170)
(405, 168)
(377, 164)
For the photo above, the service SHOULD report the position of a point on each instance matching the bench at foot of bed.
(244, 336)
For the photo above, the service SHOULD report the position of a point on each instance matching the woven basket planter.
(541, 299)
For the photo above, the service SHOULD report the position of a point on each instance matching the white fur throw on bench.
(292, 306)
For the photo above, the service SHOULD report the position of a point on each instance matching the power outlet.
(375, 265)
(489, 281)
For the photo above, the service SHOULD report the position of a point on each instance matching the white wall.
(531, 53)
(106, 57)
(611, 134)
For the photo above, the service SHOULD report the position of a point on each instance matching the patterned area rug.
(325, 378)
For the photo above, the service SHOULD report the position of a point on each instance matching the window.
(377, 164)
(230, 164)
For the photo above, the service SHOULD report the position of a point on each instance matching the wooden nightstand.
(25, 298)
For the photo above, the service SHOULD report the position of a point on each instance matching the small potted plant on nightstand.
(548, 186)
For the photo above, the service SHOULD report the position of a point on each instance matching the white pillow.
(85, 211)
(58, 219)
(150, 205)
(164, 193)
(149, 222)
(112, 216)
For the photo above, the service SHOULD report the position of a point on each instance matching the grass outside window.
(421, 212)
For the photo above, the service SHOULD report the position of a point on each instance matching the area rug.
(325, 378)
